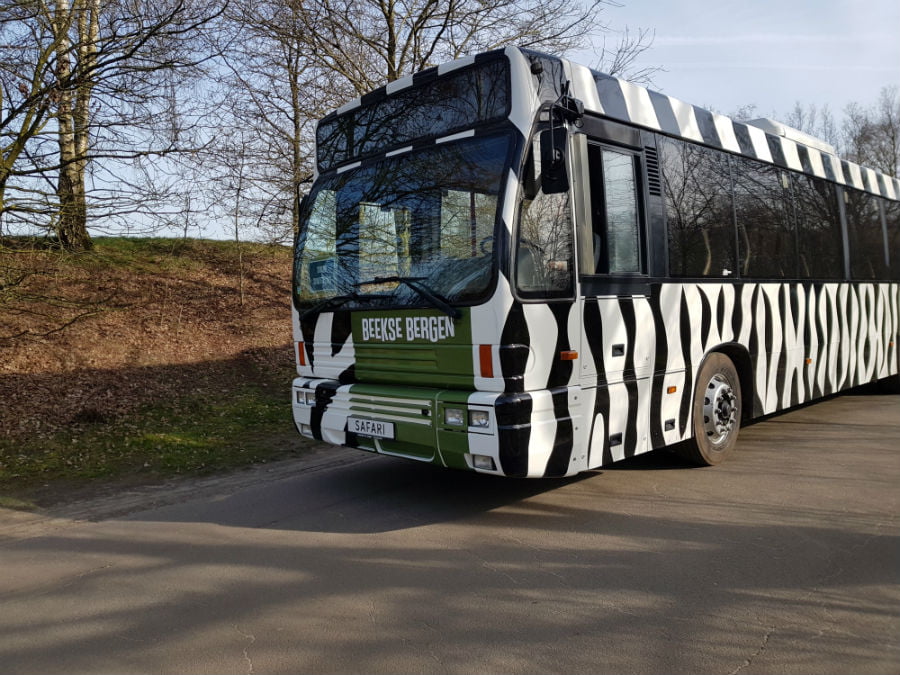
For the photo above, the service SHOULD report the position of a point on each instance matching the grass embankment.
(141, 360)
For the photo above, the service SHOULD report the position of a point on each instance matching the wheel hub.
(719, 409)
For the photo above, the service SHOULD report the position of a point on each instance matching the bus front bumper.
(502, 434)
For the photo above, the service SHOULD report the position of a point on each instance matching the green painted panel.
(418, 417)
(453, 442)
(410, 410)
(454, 445)
(414, 347)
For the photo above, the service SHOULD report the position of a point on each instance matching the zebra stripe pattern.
(792, 342)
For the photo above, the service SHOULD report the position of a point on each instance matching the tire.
(716, 409)
(889, 385)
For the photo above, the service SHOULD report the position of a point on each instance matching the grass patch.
(194, 435)
(147, 255)
(16, 504)
(172, 255)
(139, 360)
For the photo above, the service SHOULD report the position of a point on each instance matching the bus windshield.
(376, 235)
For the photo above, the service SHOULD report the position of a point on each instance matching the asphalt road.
(786, 559)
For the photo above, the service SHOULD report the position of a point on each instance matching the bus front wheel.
(716, 412)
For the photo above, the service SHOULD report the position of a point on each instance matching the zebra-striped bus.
(516, 265)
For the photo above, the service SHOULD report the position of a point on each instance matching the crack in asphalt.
(246, 650)
(749, 660)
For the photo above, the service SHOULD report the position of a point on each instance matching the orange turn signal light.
(568, 355)
(301, 353)
(486, 360)
(671, 390)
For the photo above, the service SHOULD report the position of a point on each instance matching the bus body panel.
(835, 336)
(518, 385)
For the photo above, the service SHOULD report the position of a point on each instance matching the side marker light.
(486, 360)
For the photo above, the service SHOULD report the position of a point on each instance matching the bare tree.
(621, 59)
(289, 62)
(868, 135)
(370, 42)
(271, 99)
(97, 72)
(816, 121)
(871, 135)
(30, 85)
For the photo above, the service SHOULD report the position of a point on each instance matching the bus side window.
(866, 234)
(892, 221)
(699, 210)
(819, 237)
(616, 217)
(767, 240)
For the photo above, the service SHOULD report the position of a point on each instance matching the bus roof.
(618, 99)
(765, 140)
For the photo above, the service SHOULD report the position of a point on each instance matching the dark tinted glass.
(892, 220)
(699, 213)
(766, 238)
(452, 103)
(818, 229)
(866, 234)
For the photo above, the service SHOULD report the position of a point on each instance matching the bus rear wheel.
(716, 412)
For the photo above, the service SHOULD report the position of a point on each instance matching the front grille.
(391, 408)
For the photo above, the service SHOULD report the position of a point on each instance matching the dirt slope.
(93, 339)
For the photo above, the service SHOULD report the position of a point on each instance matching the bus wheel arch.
(717, 408)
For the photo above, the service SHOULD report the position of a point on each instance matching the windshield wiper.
(338, 300)
(416, 284)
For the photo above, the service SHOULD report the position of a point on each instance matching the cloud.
(726, 65)
(765, 39)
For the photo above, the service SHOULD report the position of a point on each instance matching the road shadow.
(788, 557)
(374, 495)
(429, 555)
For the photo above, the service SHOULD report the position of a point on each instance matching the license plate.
(374, 428)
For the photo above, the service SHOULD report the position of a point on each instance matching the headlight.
(479, 418)
(305, 397)
(454, 416)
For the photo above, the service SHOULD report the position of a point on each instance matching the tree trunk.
(71, 225)
(73, 117)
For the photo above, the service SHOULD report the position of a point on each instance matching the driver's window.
(544, 262)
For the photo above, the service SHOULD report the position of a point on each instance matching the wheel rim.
(719, 409)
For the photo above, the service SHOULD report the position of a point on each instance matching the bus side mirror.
(553, 161)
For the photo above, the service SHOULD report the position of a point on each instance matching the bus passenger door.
(618, 336)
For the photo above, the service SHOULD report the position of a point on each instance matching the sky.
(725, 54)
